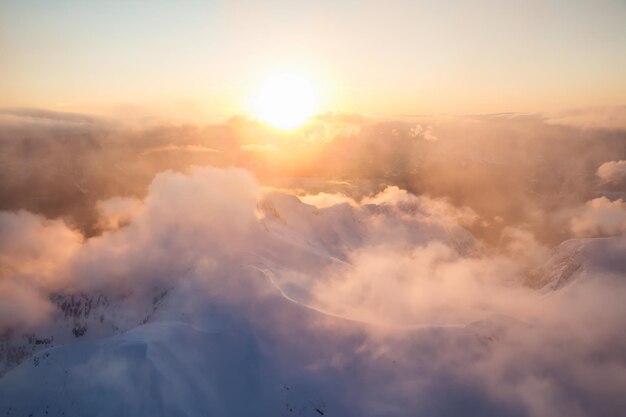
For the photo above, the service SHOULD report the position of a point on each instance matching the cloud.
(419, 131)
(49, 115)
(511, 167)
(180, 148)
(197, 217)
(441, 208)
(323, 200)
(22, 305)
(610, 118)
(388, 304)
(254, 147)
(427, 285)
(34, 256)
(600, 217)
(612, 171)
(117, 211)
(31, 246)
(394, 272)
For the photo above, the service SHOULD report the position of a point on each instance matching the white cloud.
(396, 263)
(600, 217)
(323, 200)
(117, 211)
(612, 171)
(34, 256)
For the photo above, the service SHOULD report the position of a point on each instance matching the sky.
(206, 59)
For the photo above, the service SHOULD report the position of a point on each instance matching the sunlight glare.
(286, 101)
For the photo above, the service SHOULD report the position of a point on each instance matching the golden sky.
(208, 58)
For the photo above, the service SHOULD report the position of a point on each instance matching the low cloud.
(117, 211)
(393, 280)
(255, 147)
(600, 217)
(440, 207)
(179, 148)
(612, 171)
(34, 257)
(509, 169)
(48, 115)
(609, 118)
(428, 285)
(324, 200)
(419, 131)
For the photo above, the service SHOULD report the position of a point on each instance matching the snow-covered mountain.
(78, 317)
(582, 258)
(298, 239)
(239, 330)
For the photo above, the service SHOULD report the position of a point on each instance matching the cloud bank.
(422, 281)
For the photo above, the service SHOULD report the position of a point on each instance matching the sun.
(286, 101)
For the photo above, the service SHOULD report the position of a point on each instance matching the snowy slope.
(176, 369)
(79, 317)
(160, 369)
(155, 353)
(579, 258)
(242, 339)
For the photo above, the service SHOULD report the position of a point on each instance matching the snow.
(577, 259)
(250, 342)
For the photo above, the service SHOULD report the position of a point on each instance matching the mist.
(441, 266)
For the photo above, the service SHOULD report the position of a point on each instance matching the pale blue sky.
(370, 56)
